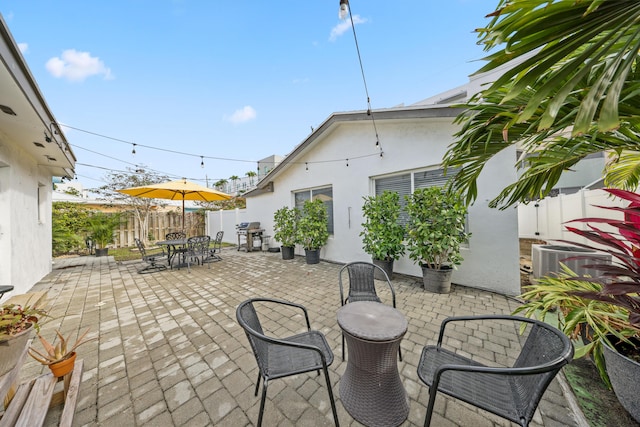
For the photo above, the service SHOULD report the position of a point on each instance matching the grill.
(248, 233)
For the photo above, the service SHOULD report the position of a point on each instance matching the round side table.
(371, 389)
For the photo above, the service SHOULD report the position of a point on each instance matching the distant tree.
(221, 184)
(140, 206)
(69, 220)
(251, 175)
(234, 179)
(72, 191)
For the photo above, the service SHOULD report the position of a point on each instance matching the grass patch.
(125, 254)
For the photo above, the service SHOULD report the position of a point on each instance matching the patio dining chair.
(215, 248)
(178, 251)
(362, 286)
(197, 250)
(511, 392)
(282, 357)
(155, 260)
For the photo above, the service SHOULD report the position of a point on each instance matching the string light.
(345, 9)
(133, 151)
(306, 166)
(202, 162)
(347, 162)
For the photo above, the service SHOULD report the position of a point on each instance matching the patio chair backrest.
(544, 345)
(176, 235)
(251, 323)
(140, 246)
(361, 282)
(198, 245)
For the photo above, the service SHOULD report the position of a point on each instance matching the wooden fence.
(160, 223)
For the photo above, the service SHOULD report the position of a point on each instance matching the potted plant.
(285, 221)
(101, 227)
(435, 232)
(59, 357)
(312, 231)
(16, 324)
(382, 235)
(605, 307)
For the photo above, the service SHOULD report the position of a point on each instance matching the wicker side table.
(371, 389)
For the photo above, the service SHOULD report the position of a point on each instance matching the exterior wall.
(25, 222)
(491, 259)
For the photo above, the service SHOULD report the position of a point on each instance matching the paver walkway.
(170, 352)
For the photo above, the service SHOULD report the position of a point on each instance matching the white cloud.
(77, 66)
(343, 26)
(243, 115)
(24, 47)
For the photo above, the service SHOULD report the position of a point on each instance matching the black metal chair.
(178, 251)
(509, 392)
(154, 259)
(362, 286)
(215, 249)
(197, 250)
(283, 357)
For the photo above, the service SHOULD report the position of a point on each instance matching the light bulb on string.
(202, 162)
(344, 9)
(306, 166)
(133, 150)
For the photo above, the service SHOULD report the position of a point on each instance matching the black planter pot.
(387, 266)
(624, 374)
(437, 281)
(287, 252)
(312, 256)
(102, 252)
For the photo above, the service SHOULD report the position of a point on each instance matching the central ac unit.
(546, 259)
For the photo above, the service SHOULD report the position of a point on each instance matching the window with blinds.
(325, 194)
(404, 184)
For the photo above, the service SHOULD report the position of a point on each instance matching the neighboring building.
(341, 163)
(33, 150)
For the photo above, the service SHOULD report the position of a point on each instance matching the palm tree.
(574, 93)
(251, 175)
(220, 184)
(234, 179)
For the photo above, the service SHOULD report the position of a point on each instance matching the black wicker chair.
(509, 392)
(283, 357)
(362, 286)
(153, 260)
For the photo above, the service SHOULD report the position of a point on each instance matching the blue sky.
(237, 80)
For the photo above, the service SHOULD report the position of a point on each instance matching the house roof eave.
(266, 185)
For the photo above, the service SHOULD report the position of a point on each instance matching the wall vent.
(546, 259)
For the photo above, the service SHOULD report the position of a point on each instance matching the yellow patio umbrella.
(177, 190)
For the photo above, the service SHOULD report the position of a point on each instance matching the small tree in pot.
(435, 231)
(312, 229)
(285, 223)
(382, 235)
(101, 227)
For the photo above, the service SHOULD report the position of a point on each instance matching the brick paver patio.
(170, 352)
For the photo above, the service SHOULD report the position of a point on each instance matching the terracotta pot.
(62, 368)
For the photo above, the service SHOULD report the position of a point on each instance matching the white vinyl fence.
(225, 220)
(546, 218)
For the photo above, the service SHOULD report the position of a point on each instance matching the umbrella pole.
(183, 230)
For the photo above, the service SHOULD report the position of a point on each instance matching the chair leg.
(343, 347)
(258, 384)
(400, 353)
(432, 400)
(264, 397)
(331, 399)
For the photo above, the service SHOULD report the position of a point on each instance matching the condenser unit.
(546, 259)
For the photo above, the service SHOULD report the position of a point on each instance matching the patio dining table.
(174, 247)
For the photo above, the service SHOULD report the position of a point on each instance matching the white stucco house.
(340, 162)
(33, 150)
